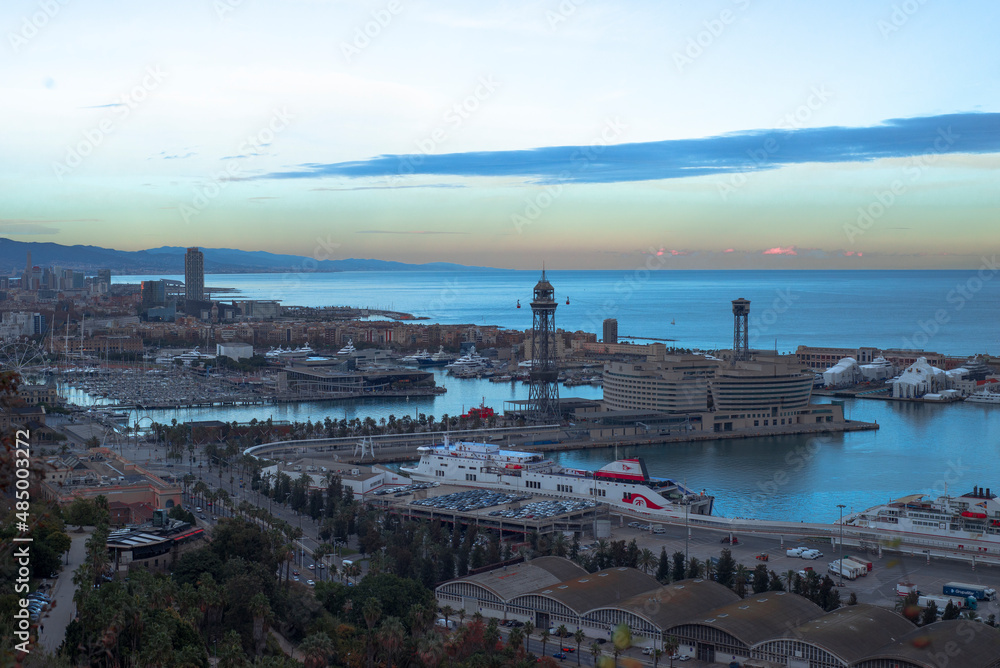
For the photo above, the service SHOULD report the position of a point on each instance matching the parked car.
(558, 655)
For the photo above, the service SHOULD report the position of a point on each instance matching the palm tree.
(528, 628)
(392, 633)
(447, 611)
(260, 609)
(371, 611)
(595, 651)
(544, 635)
(789, 577)
(742, 575)
(317, 649)
(670, 646)
(647, 560)
(578, 637)
(515, 638)
(430, 649)
(657, 652)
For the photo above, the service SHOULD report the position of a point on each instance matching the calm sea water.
(945, 311)
(919, 448)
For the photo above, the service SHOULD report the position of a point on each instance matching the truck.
(978, 592)
(861, 566)
(905, 588)
(942, 602)
(846, 569)
(861, 560)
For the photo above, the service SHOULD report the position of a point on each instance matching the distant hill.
(170, 260)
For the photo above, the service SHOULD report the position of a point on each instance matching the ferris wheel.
(20, 354)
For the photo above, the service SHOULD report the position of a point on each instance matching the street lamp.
(687, 531)
(841, 568)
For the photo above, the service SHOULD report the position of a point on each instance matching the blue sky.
(730, 134)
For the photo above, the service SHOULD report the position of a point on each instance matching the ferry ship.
(625, 484)
(967, 522)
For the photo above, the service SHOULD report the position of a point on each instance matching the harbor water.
(920, 448)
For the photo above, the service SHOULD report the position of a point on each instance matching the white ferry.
(967, 522)
(624, 484)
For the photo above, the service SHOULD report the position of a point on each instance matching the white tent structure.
(918, 379)
(879, 369)
(843, 373)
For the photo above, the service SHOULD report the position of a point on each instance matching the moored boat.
(624, 484)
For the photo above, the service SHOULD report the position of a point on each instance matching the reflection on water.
(920, 448)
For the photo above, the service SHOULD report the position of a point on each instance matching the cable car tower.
(543, 391)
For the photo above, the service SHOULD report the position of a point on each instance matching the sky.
(861, 134)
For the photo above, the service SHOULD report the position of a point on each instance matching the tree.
(595, 651)
(646, 560)
(929, 615)
(678, 570)
(544, 636)
(950, 612)
(317, 649)
(260, 609)
(663, 567)
(670, 646)
(693, 568)
(725, 569)
(852, 599)
(371, 611)
(528, 629)
(760, 579)
(578, 637)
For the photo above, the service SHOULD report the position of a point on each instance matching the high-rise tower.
(194, 275)
(741, 330)
(543, 392)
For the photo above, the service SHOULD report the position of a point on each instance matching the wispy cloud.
(178, 156)
(407, 232)
(104, 106)
(427, 185)
(778, 250)
(682, 158)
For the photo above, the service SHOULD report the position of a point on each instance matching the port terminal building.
(702, 394)
(712, 623)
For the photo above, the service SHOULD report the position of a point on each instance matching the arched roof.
(512, 581)
(759, 617)
(678, 603)
(853, 632)
(963, 642)
(599, 590)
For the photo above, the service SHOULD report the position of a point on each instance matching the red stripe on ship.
(619, 476)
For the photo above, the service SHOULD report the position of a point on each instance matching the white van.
(795, 552)
(446, 623)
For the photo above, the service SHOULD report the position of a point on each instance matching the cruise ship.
(967, 522)
(624, 484)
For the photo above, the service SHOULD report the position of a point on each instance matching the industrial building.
(774, 629)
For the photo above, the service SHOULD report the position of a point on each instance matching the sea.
(919, 448)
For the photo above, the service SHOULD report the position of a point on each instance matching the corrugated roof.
(600, 590)
(760, 617)
(678, 603)
(508, 583)
(853, 632)
(966, 643)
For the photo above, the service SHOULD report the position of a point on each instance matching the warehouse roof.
(853, 632)
(599, 590)
(964, 642)
(761, 617)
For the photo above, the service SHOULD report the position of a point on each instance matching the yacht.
(471, 361)
(440, 358)
(984, 397)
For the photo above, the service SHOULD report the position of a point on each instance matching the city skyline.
(583, 134)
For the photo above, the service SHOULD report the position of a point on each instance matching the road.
(62, 613)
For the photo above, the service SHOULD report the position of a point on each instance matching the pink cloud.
(778, 250)
(853, 253)
(729, 250)
(677, 252)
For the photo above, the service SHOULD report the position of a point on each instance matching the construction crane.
(644, 338)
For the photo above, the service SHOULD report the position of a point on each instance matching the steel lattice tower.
(741, 330)
(543, 392)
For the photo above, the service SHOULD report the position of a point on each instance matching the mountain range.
(170, 260)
